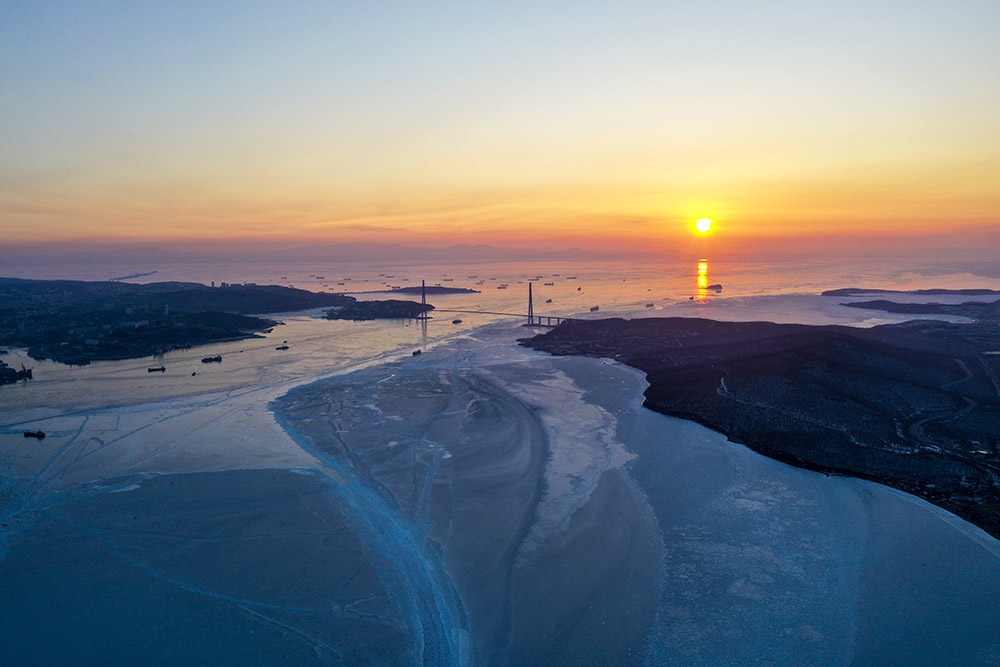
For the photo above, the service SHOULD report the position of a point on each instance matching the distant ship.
(157, 369)
(548, 301)
(281, 347)
(34, 434)
(715, 288)
(594, 309)
(217, 359)
(649, 305)
(456, 321)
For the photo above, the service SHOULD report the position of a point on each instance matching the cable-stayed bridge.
(532, 319)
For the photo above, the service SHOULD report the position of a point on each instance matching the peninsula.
(76, 322)
(915, 406)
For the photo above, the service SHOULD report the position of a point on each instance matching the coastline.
(912, 406)
(716, 534)
(652, 539)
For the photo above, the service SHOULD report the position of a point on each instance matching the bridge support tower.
(531, 307)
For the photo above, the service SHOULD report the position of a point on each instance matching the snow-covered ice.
(478, 504)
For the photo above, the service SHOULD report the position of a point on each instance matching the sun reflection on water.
(702, 278)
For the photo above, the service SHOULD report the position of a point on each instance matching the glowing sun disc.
(703, 225)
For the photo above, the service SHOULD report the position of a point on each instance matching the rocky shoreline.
(914, 406)
(77, 322)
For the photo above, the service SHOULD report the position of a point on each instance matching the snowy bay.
(479, 503)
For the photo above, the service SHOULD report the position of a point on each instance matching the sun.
(703, 225)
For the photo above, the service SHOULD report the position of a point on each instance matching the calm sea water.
(784, 291)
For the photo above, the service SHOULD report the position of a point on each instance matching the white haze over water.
(761, 563)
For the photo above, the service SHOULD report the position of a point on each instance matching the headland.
(76, 322)
(915, 406)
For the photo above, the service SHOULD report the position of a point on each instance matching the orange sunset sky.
(795, 124)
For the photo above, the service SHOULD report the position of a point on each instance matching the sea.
(783, 290)
(759, 563)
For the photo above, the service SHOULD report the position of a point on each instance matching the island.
(432, 289)
(914, 406)
(76, 322)
(360, 311)
(861, 291)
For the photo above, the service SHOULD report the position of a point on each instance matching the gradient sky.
(610, 125)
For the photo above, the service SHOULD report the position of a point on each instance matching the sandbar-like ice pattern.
(757, 562)
(478, 504)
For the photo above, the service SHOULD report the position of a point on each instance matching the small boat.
(416, 352)
(158, 369)
(217, 359)
(549, 284)
(594, 309)
(34, 434)
(281, 347)
(548, 301)
(649, 305)
(715, 288)
(456, 321)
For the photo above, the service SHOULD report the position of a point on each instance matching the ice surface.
(771, 565)
(478, 504)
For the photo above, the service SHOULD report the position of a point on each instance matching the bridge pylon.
(531, 307)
